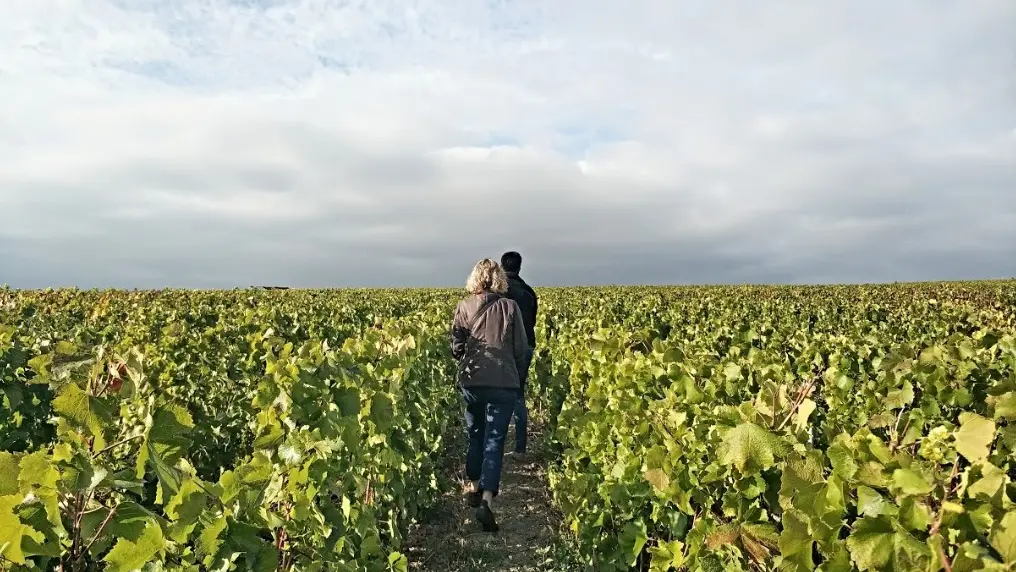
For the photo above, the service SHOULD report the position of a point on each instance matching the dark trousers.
(488, 412)
(521, 408)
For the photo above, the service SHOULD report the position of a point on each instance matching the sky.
(321, 143)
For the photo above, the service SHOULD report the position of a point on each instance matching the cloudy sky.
(221, 143)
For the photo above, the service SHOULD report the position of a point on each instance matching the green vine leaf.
(751, 447)
(13, 532)
(84, 411)
(10, 468)
(128, 555)
(164, 445)
(974, 437)
(1003, 538)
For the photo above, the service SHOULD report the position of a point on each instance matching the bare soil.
(449, 540)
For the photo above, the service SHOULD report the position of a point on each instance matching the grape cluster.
(937, 446)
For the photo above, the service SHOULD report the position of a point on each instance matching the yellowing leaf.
(9, 469)
(974, 437)
(759, 539)
(989, 483)
(13, 531)
(39, 476)
(804, 411)
(751, 446)
(1005, 406)
(1003, 537)
(953, 507)
(658, 479)
(667, 556)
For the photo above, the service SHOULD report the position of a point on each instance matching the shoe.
(485, 517)
(473, 499)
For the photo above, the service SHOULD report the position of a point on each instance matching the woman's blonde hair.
(487, 275)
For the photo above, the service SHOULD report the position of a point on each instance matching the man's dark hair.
(511, 261)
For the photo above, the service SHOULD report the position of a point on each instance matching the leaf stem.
(894, 442)
(945, 496)
(774, 407)
(118, 443)
(801, 395)
(101, 529)
(946, 563)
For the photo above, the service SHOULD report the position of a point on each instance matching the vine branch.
(802, 394)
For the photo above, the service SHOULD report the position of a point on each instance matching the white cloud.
(318, 142)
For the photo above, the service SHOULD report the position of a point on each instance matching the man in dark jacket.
(527, 300)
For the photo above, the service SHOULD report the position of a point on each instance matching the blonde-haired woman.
(489, 341)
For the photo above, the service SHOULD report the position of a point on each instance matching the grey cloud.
(209, 176)
(852, 142)
(865, 219)
(856, 231)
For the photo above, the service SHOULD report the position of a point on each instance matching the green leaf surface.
(164, 445)
(974, 437)
(1003, 537)
(871, 503)
(1005, 406)
(911, 482)
(10, 467)
(128, 555)
(749, 446)
(84, 411)
(13, 532)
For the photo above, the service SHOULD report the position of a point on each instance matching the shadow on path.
(449, 540)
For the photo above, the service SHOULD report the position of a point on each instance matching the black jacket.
(527, 300)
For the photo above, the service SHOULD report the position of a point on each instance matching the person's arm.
(459, 334)
(532, 294)
(520, 342)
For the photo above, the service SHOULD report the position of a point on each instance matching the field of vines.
(832, 428)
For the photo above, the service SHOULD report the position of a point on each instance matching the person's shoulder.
(515, 289)
(465, 302)
(525, 285)
(509, 303)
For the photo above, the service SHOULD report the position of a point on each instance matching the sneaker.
(473, 499)
(485, 517)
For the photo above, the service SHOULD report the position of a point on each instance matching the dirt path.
(449, 540)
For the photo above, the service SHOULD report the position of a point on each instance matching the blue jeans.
(488, 412)
(521, 408)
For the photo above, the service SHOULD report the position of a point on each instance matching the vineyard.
(701, 428)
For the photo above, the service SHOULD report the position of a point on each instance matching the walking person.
(489, 342)
(526, 298)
